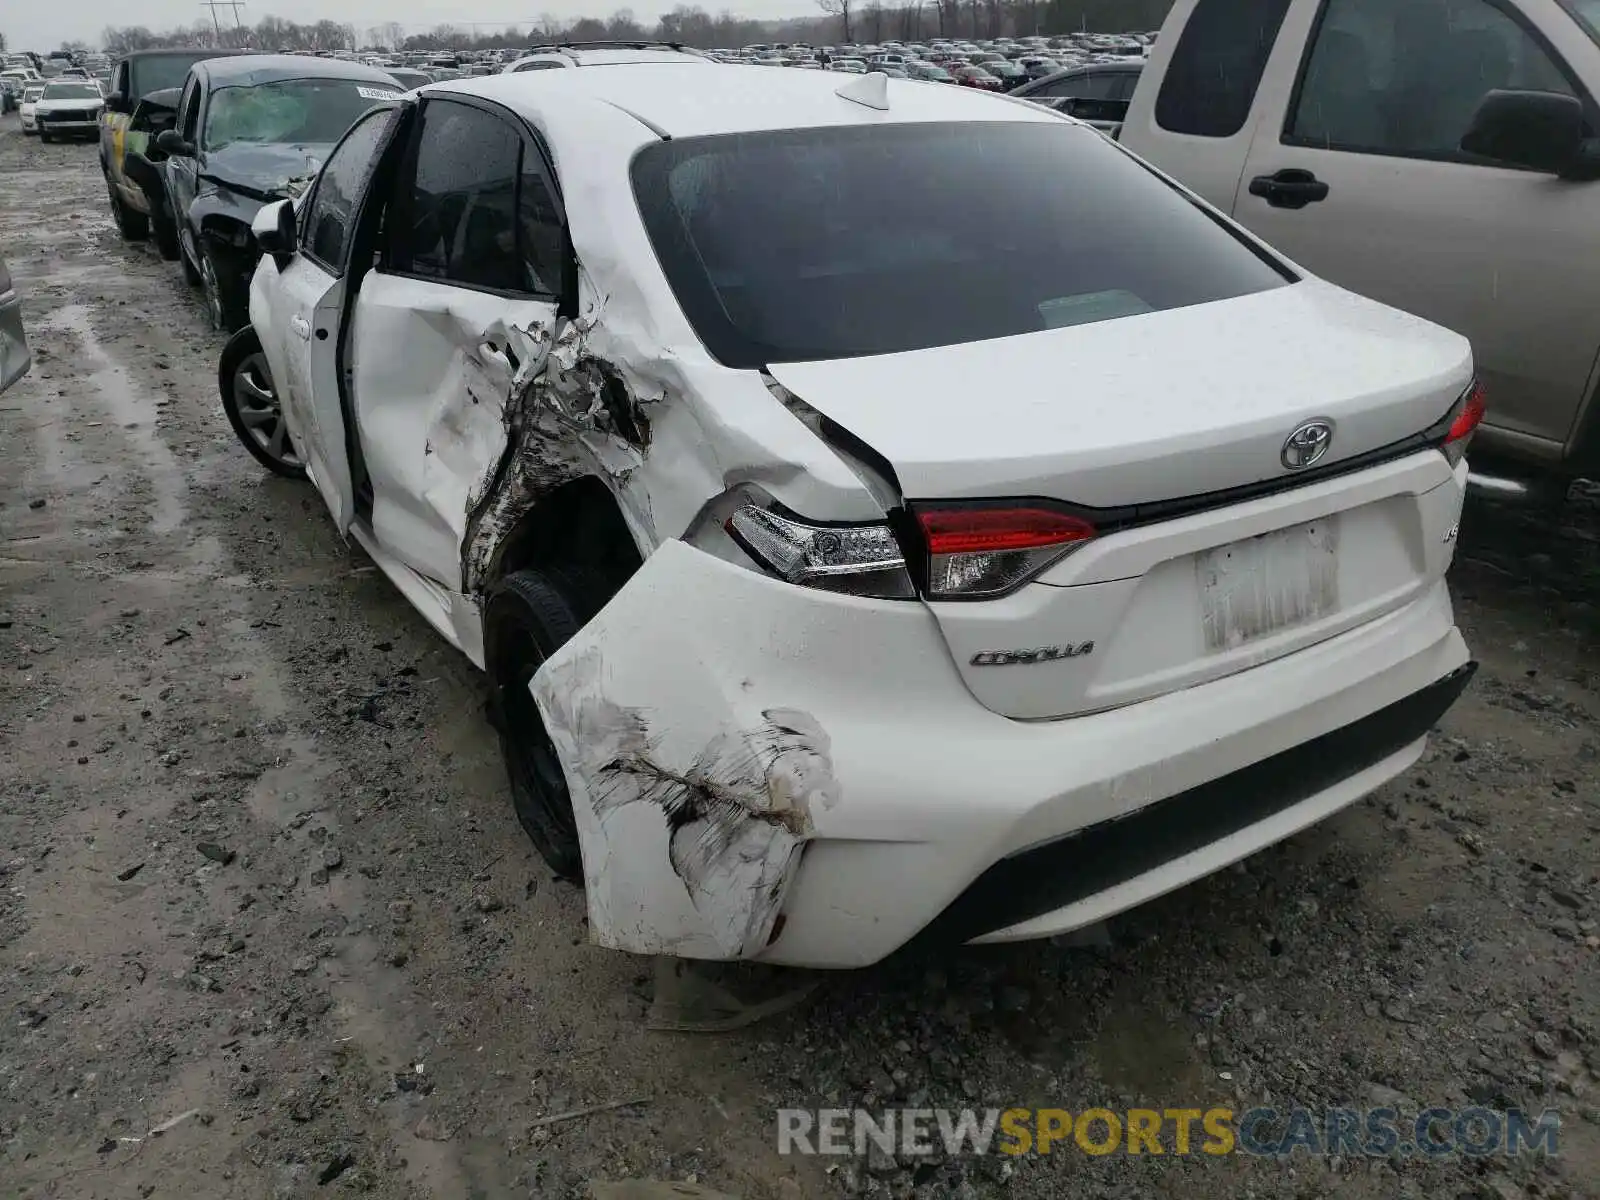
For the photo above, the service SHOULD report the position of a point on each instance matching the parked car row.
(712, 508)
(1000, 65)
(193, 163)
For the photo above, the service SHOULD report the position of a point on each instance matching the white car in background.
(25, 111)
(810, 633)
(69, 108)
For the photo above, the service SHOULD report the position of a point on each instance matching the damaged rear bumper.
(766, 771)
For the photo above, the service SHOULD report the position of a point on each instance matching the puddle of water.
(128, 406)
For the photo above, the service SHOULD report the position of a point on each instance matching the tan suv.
(1438, 155)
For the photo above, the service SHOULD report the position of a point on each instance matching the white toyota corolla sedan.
(861, 552)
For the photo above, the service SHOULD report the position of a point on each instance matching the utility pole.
(213, 5)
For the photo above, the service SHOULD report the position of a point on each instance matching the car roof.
(718, 98)
(249, 69)
(177, 51)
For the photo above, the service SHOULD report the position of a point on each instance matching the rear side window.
(481, 212)
(1216, 66)
(807, 244)
(1098, 85)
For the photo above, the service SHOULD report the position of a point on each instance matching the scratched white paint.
(693, 804)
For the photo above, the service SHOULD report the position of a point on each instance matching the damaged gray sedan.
(667, 395)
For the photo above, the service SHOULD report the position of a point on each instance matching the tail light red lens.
(1464, 421)
(988, 551)
(1473, 407)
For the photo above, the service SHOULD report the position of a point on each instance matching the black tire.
(133, 226)
(165, 235)
(249, 400)
(46, 137)
(528, 616)
(191, 271)
(226, 301)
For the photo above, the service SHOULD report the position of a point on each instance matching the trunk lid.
(1152, 407)
(1163, 407)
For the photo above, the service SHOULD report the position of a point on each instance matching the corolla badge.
(1307, 444)
(1026, 658)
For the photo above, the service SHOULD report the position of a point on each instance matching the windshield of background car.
(836, 242)
(161, 71)
(29, 95)
(290, 111)
(70, 91)
(1587, 14)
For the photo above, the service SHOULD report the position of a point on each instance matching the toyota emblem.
(1307, 445)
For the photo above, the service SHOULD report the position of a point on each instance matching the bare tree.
(623, 27)
(840, 9)
(875, 20)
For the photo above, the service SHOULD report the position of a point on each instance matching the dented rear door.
(456, 318)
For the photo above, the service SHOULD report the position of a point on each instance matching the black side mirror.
(275, 232)
(170, 142)
(1542, 131)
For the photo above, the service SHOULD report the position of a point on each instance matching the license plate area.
(1252, 589)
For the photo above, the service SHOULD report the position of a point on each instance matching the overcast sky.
(43, 25)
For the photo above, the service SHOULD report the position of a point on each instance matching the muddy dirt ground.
(259, 871)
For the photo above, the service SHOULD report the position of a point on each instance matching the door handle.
(301, 327)
(1289, 188)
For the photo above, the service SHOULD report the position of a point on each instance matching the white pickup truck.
(1438, 155)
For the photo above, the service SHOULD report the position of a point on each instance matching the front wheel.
(528, 616)
(225, 300)
(187, 252)
(250, 401)
(45, 136)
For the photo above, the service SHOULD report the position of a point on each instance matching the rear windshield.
(828, 243)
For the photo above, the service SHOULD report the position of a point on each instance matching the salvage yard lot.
(259, 870)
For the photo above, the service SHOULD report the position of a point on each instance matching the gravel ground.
(259, 872)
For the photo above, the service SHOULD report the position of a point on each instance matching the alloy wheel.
(259, 410)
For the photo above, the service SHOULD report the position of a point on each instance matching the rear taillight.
(859, 559)
(984, 551)
(1462, 422)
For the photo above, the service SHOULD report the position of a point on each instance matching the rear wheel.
(45, 135)
(251, 403)
(164, 233)
(133, 226)
(528, 616)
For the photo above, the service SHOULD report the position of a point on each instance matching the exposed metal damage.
(729, 815)
(567, 413)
